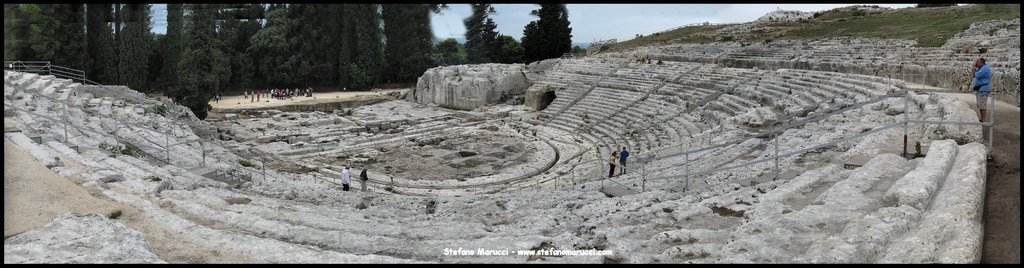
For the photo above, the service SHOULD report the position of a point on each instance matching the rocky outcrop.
(78, 238)
(785, 16)
(467, 87)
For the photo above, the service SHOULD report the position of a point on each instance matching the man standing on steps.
(982, 76)
(363, 178)
(345, 179)
(622, 160)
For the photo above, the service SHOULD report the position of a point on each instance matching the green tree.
(408, 41)
(271, 49)
(314, 39)
(481, 37)
(71, 44)
(550, 36)
(363, 40)
(239, 22)
(203, 65)
(40, 42)
(14, 30)
(156, 61)
(100, 44)
(134, 46)
(171, 48)
(451, 52)
(511, 50)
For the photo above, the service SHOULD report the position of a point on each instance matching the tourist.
(345, 179)
(982, 76)
(258, 93)
(245, 94)
(622, 160)
(363, 178)
(611, 164)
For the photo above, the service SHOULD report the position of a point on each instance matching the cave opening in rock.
(546, 99)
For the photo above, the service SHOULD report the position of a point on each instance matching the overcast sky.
(592, 22)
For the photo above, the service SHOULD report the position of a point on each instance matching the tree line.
(212, 48)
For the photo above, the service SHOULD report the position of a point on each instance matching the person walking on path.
(345, 179)
(982, 77)
(611, 164)
(622, 160)
(363, 178)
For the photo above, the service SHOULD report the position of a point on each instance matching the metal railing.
(44, 67)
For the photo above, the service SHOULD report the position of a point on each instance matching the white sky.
(592, 22)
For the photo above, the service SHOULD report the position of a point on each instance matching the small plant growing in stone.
(246, 163)
(917, 150)
(131, 150)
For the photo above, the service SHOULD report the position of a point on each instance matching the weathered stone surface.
(917, 188)
(467, 87)
(77, 238)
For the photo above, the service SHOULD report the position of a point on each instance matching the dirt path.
(239, 101)
(34, 194)
(1002, 196)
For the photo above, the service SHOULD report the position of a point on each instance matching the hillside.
(930, 27)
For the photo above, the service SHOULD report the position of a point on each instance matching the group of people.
(346, 179)
(618, 159)
(255, 95)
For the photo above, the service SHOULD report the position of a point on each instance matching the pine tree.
(13, 31)
(172, 45)
(365, 44)
(481, 36)
(71, 42)
(134, 46)
(550, 36)
(271, 49)
(511, 50)
(408, 41)
(202, 63)
(100, 44)
(40, 42)
(451, 52)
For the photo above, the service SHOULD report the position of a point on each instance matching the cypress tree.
(100, 44)
(134, 46)
(408, 41)
(550, 36)
(201, 65)
(481, 37)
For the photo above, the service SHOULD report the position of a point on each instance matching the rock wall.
(467, 87)
(785, 16)
(77, 238)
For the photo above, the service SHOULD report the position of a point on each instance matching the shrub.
(246, 163)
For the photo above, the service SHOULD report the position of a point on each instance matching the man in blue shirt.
(982, 76)
(622, 160)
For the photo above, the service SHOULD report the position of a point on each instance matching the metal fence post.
(992, 122)
(906, 120)
(66, 123)
(775, 136)
(686, 187)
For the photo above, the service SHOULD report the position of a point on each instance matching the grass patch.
(125, 149)
(246, 163)
(682, 35)
(930, 27)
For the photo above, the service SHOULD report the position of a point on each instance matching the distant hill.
(930, 27)
(462, 40)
